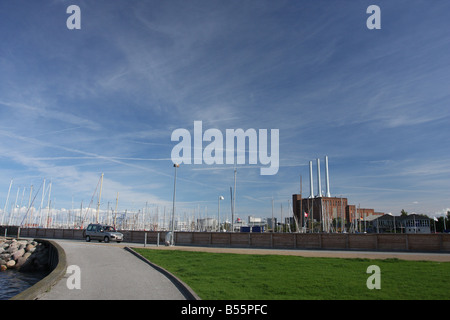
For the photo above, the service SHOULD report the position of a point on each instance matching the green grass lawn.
(219, 276)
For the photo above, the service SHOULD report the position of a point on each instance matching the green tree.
(404, 213)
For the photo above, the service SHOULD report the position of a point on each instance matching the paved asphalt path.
(109, 272)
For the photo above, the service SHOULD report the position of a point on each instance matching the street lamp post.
(218, 212)
(175, 165)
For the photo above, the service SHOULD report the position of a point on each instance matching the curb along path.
(108, 272)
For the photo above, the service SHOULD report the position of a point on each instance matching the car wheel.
(88, 239)
(106, 239)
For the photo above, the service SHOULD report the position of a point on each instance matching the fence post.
(295, 241)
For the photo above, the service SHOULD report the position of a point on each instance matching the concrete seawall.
(338, 241)
(57, 263)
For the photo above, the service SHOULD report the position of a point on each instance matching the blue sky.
(106, 98)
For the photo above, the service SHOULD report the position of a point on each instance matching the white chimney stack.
(327, 177)
(319, 194)
(311, 188)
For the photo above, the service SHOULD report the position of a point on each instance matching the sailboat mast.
(29, 207)
(11, 215)
(48, 203)
(39, 218)
(99, 198)
(115, 210)
(6, 203)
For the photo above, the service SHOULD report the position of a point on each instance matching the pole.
(281, 212)
(343, 217)
(48, 203)
(273, 224)
(115, 210)
(415, 227)
(99, 198)
(218, 213)
(146, 210)
(173, 207)
(234, 200)
(364, 221)
(29, 204)
(81, 215)
(6, 203)
(395, 231)
(39, 218)
(20, 206)
(11, 215)
(302, 214)
(231, 206)
(359, 220)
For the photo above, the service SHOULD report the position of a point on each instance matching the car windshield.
(110, 229)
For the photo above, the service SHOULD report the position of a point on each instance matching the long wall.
(372, 241)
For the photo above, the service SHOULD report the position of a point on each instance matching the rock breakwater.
(23, 255)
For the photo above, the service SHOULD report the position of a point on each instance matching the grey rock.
(10, 264)
(17, 254)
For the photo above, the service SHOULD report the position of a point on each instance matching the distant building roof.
(412, 216)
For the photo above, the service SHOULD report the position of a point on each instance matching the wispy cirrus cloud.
(41, 113)
(108, 96)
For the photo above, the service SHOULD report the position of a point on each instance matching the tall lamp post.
(175, 165)
(218, 212)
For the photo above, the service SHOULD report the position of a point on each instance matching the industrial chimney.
(311, 188)
(327, 177)
(319, 194)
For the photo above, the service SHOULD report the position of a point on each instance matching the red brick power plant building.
(326, 209)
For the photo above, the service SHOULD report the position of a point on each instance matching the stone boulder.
(24, 255)
(30, 247)
(12, 248)
(22, 260)
(10, 264)
(5, 256)
(17, 254)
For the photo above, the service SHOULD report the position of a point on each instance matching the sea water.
(13, 282)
